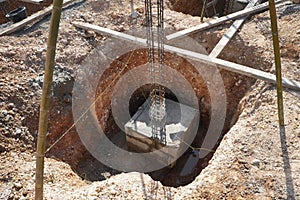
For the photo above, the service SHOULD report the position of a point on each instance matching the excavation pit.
(188, 166)
(181, 125)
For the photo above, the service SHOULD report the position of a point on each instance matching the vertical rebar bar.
(157, 110)
(274, 26)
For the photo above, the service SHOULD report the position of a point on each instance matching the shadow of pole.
(144, 186)
(286, 165)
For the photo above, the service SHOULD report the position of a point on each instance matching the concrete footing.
(181, 127)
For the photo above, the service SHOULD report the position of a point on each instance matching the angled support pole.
(273, 17)
(203, 10)
(46, 97)
(230, 33)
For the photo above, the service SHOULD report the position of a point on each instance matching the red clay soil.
(194, 7)
(236, 87)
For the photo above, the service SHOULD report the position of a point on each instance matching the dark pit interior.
(141, 94)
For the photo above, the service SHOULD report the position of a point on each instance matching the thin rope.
(93, 103)
(125, 66)
(195, 148)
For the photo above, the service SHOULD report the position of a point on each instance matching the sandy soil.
(255, 160)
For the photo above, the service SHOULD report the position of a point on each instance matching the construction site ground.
(255, 160)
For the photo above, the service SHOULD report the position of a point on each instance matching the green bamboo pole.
(203, 9)
(46, 97)
(273, 17)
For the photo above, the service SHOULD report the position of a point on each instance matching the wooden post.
(203, 9)
(273, 17)
(46, 97)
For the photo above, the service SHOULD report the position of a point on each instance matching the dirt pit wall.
(71, 150)
(194, 7)
(219, 8)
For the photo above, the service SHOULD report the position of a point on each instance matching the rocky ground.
(255, 160)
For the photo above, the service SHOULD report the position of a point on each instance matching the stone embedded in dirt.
(18, 186)
(32, 70)
(18, 131)
(36, 85)
(23, 198)
(8, 118)
(2, 149)
(11, 112)
(62, 82)
(67, 98)
(256, 162)
(11, 105)
(3, 113)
